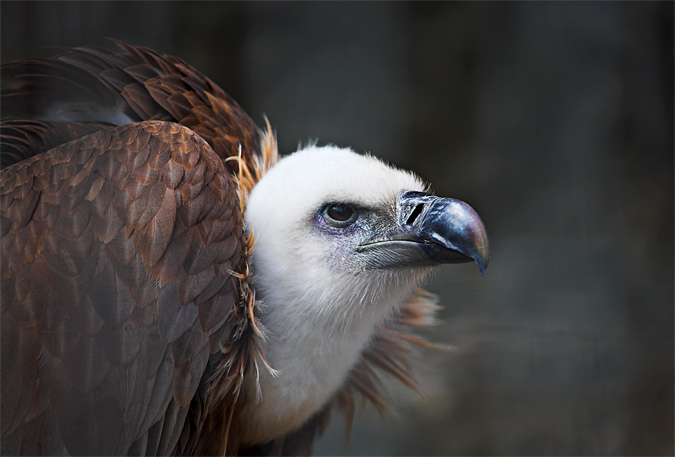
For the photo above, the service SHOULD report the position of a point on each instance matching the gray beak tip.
(481, 254)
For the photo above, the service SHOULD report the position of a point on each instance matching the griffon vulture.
(169, 286)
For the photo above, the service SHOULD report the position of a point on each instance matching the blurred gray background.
(554, 120)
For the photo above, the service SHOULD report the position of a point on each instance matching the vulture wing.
(126, 317)
(117, 258)
(88, 84)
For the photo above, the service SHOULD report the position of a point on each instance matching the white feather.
(319, 315)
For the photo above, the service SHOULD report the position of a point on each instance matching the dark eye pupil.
(340, 213)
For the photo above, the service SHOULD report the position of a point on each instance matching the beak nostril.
(414, 214)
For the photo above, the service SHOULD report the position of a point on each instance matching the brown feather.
(89, 353)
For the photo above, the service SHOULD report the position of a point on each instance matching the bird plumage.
(149, 287)
(117, 254)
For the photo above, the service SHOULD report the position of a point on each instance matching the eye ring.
(340, 215)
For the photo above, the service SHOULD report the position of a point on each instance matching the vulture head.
(342, 242)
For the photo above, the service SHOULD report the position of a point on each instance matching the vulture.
(171, 286)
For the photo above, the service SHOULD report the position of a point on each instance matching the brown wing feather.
(20, 140)
(111, 322)
(89, 84)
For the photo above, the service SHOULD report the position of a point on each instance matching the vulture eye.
(339, 215)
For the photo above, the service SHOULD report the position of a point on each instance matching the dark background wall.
(553, 119)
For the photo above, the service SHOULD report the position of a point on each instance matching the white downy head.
(342, 241)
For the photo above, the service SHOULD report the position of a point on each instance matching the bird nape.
(169, 286)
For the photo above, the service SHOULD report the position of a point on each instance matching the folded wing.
(117, 258)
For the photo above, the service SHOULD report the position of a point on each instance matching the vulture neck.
(313, 341)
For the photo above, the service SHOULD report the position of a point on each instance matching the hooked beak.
(431, 230)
